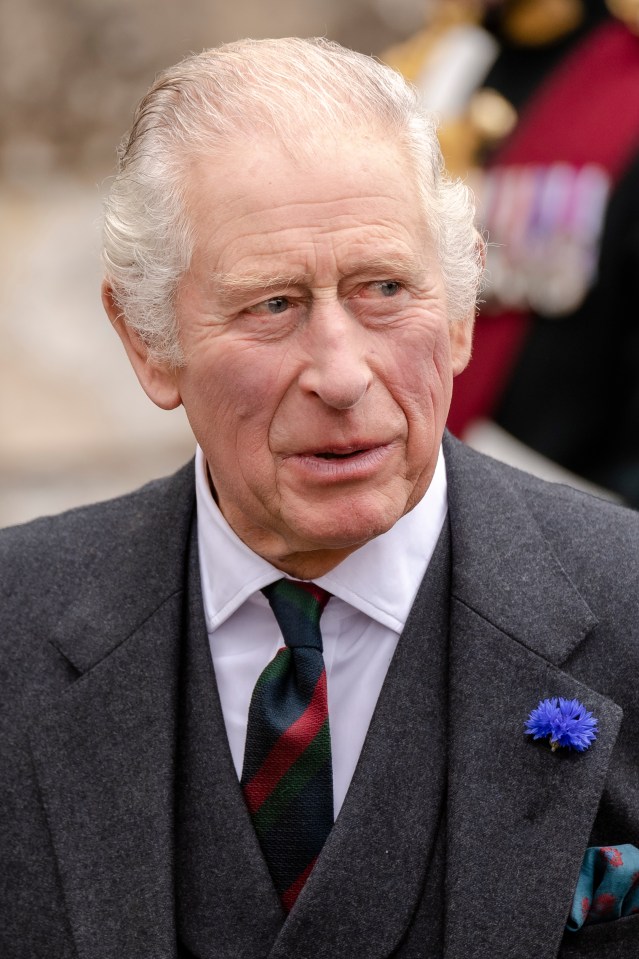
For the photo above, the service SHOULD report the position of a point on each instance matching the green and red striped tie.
(287, 775)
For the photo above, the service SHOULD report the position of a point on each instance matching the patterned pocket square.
(608, 886)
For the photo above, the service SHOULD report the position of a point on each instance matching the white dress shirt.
(373, 591)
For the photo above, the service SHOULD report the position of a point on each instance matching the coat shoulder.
(583, 528)
(574, 522)
(97, 561)
(53, 546)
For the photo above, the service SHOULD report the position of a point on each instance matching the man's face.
(318, 354)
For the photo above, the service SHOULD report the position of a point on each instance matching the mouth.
(330, 455)
(341, 463)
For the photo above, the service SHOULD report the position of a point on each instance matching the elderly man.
(193, 764)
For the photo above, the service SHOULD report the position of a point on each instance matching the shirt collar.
(380, 579)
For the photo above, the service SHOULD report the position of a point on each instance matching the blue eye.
(277, 304)
(271, 307)
(389, 287)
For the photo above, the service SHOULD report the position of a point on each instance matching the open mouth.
(338, 456)
(339, 465)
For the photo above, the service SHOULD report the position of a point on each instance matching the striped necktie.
(287, 775)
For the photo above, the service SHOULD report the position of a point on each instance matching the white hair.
(293, 89)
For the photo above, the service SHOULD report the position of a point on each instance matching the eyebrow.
(239, 286)
(388, 266)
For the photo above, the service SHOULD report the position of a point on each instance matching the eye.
(388, 287)
(273, 306)
(381, 289)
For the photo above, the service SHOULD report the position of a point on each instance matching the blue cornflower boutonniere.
(566, 721)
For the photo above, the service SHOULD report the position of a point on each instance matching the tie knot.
(298, 607)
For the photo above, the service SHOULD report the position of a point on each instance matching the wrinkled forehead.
(315, 166)
(343, 209)
(313, 178)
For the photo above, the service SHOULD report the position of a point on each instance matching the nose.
(336, 368)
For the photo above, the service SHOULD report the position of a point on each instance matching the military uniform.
(545, 115)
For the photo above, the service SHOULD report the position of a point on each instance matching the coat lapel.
(104, 749)
(519, 816)
(362, 895)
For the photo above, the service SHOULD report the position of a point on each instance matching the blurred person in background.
(341, 687)
(539, 100)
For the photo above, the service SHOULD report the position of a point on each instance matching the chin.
(346, 530)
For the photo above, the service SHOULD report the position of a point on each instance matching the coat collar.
(136, 561)
(504, 567)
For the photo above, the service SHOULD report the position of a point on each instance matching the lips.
(330, 455)
(340, 463)
(341, 450)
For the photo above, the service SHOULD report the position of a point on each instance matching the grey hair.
(213, 99)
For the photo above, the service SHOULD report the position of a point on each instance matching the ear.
(461, 331)
(461, 342)
(157, 379)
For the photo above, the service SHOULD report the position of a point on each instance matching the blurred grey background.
(74, 425)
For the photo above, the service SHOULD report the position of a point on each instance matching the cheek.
(443, 366)
(421, 377)
(230, 399)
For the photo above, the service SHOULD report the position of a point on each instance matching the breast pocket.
(618, 939)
